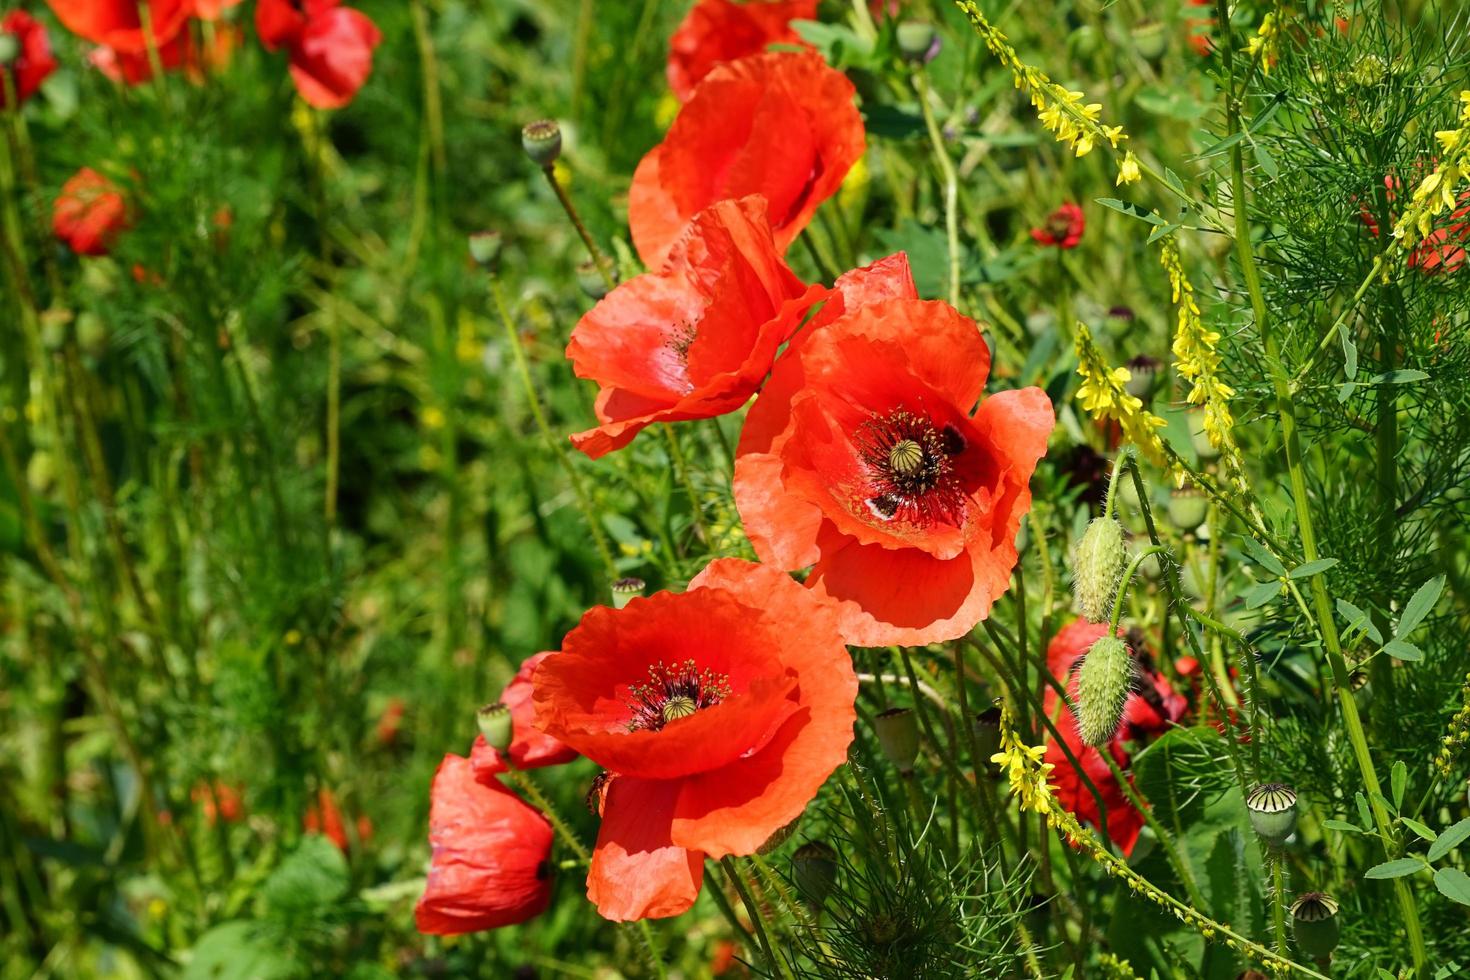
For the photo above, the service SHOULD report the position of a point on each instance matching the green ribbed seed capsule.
(1272, 809)
(625, 590)
(1314, 921)
(494, 722)
(542, 141)
(1097, 568)
(1103, 683)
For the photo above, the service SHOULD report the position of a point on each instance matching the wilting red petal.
(89, 213)
(333, 57)
(118, 24)
(716, 31)
(33, 63)
(491, 855)
(637, 871)
(780, 124)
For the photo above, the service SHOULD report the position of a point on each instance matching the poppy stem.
(598, 259)
(1127, 580)
(568, 836)
(951, 185)
(753, 910)
(681, 468)
(1166, 840)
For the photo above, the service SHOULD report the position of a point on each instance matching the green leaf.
(1403, 650)
(1264, 160)
(1424, 832)
(1395, 869)
(1312, 568)
(1403, 376)
(238, 951)
(1384, 802)
(1131, 209)
(1398, 778)
(1342, 826)
(1262, 593)
(1452, 838)
(1162, 231)
(308, 882)
(1349, 353)
(1263, 557)
(1363, 812)
(1420, 606)
(1358, 618)
(1345, 391)
(1453, 884)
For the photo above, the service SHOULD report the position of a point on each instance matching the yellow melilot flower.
(1104, 394)
(1436, 193)
(1128, 170)
(1023, 767)
(1266, 42)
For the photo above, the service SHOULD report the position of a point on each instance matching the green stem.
(1127, 580)
(753, 910)
(529, 788)
(951, 185)
(1166, 840)
(1278, 903)
(603, 268)
(681, 468)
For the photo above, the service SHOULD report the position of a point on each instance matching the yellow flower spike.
(1104, 394)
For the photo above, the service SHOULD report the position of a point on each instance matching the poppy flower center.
(911, 468)
(673, 693)
(1059, 226)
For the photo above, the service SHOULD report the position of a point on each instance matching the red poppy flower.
(695, 339)
(181, 53)
(716, 31)
(219, 801)
(33, 61)
(530, 748)
(280, 22)
(118, 24)
(325, 817)
(861, 459)
(333, 57)
(720, 711)
(1199, 29)
(89, 213)
(1063, 227)
(213, 9)
(390, 722)
(779, 124)
(491, 855)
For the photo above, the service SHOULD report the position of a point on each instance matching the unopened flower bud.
(9, 47)
(1097, 567)
(485, 248)
(898, 737)
(1142, 371)
(625, 590)
(1151, 38)
(814, 871)
(494, 722)
(917, 41)
(1272, 809)
(1188, 506)
(1103, 683)
(590, 278)
(542, 141)
(781, 836)
(1314, 921)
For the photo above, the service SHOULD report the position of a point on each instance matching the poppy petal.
(637, 871)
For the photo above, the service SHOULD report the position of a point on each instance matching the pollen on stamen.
(674, 692)
(911, 468)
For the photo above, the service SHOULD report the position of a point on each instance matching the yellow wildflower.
(1436, 193)
(1104, 394)
(1128, 170)
(1266, 42)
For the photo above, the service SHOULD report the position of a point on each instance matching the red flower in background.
(861, 458)
(218, 800)
(1199, 29)
(33, 60)
(716, 31)
(491, 855)
(89, 213)
(180, 53)
(325, 817)
(330, 46)
(1150, 710)
(719, 711)
(213, 9)
(779, 124)
(1443, 249)
(695, 339)
(1063, 227)
(118, 24)
(530, 748)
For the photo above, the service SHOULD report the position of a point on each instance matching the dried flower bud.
(814, 871)
(917, 41)
(898, 737)
(1314, 920)
(542, 141)
(625, 590)
(1097, 568)
(1188, 506)
(485, 249)
(1272, 809)
(1103, 683)
(494, 722)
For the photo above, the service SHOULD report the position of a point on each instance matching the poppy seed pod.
(1272, 809)
(898, 737)
(1187, 507)
(542, 141)
(625, 590)
(1103, 683)
(485, 248)
(1314, 921)
(814, 871)
(917, 41)
(494, 722)
(1097, 567)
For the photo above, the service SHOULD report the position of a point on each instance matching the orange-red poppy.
(89, 213)
(779, 124)
(694, 339)
(32, 63)
(183, 52)
(118, 24)
(1063, 227)
(325, 817)
(218, 800)
(716, 31)
(719, 711)
(861, 458)
(491, 863)
(530, 748)
(330, 46)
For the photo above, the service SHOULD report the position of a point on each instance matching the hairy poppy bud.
(1314, 920)
(1103, 683)
(590, 277)
(1097, 567)
(1187, 507)
(625, 590)
(1272, 809)
(814, 871)
(542, 141)
(485, 248)
(917, 41)
(494, 722)
(898, 737)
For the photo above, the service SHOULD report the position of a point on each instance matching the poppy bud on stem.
(1097, 567)
(542, 143)
(625, 590)
(1103, 683)
(898, 737)
(1272, 810)
(814, 869)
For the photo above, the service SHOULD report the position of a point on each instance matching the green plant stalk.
(753, 910)
(681, 470)
(1278, 903)
(558, 450)
(566, 205)
(1166, 839)
(951, 185)
(1286, 411)
(1127, 580)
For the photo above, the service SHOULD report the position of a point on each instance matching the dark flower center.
(673, 693)
(911, 467)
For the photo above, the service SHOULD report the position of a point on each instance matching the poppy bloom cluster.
(25, 57)
(1151, 708)
(330, 47)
